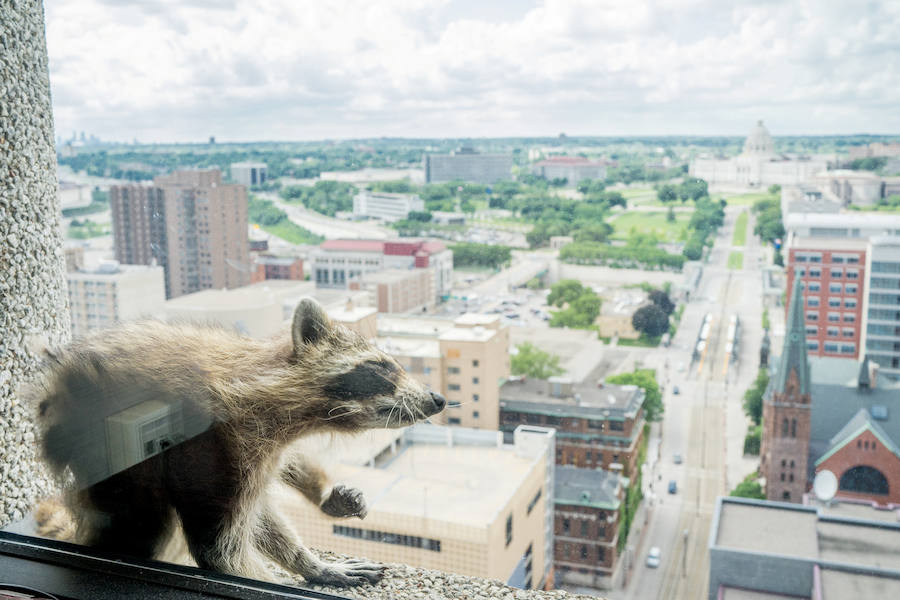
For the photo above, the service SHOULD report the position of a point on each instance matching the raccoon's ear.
(310, 324)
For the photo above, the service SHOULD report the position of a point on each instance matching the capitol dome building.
(758, 165)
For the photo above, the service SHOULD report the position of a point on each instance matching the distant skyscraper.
(191, 224)
(468, 165)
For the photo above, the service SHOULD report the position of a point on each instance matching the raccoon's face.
(359, 386)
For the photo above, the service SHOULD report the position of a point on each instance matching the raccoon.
(224, 410)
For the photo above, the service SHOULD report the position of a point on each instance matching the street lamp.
(684, 556)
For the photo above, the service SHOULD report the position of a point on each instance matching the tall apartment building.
(386, 206)
(337, 263)
(882, 309)
(114, 293)
(190, 223)
(468, 165)
(447, 498)
(249, 173)
(466, 360)
(571, 168)
(833, 272)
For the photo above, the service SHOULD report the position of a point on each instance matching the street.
(704, 423)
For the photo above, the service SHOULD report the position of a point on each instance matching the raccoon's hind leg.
(278, 542)
(310, 480)
(120, 515)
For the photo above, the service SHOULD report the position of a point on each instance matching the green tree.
(670, 214)
(662, 300)
(469, 254)
(421, 216)
(749, 488)
(534, 362)
(667, 193)
(646, 380)
(565, 291)
(650, 320)
(598, 232)
(753, 397)
(774, 189)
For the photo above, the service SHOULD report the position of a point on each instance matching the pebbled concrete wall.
(32, 277)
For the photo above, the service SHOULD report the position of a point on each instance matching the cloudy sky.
(182, 70)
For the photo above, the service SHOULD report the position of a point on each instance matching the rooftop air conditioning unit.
(142, 431)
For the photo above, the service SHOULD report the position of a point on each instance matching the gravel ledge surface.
(404, 582)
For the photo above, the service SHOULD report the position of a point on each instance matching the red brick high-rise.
(191, 224)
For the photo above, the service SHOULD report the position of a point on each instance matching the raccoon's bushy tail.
(54, 520)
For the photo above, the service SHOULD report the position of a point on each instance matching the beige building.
(114, 293)
(399, 290)
(447, 498)
(259, 310)
(192, 224)
(466, 361)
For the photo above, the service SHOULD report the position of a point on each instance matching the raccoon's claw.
(347, 573)
(345, 502)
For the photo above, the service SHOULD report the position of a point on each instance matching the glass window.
(836, 273)
(812, 316)
(849, 318)
(815, 286)
(812, 345)
(850, 303)
(453, 387)
(848, 348)
(834, 288)
(815, 272)
(812, 301)
(475, 380)
(834, 302)
(812, 330)
(831, 347)
(833, 332)
(453, 370)
(852, 274)
(850, 288)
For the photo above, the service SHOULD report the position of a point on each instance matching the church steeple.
(793, 356)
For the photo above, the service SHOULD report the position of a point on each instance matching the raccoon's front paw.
(345, 502)
(350, 572)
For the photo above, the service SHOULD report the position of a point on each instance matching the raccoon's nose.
(439, 401)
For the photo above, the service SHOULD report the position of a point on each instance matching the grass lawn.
(736, 260)
(639, 195)
(88, 229)
(740, 230)
(293, 233)
(747, 199)
(647, 222)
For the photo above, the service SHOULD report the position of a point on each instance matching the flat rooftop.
(247, 297)
(409, 347)
(412, 326)
(842, 584)
(352, 314)
(464, 485)
(391, 275)
(730, 593)
(768, 529)
(467, 334)
(474, 319)
(801, 243)
(851, 543)
(586, 487)
(579, 350)
(587, 397)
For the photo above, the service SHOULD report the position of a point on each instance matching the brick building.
(586, 525)
(398, 290)
(833, 271)
(267, 266)
(599, 425)
(190, 223)
(828, 413)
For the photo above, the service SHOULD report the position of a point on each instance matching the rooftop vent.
(586, 496)
(879, 412)
(610, 398)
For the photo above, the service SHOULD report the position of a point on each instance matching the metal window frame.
(74, 572)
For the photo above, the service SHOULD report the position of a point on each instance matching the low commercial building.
(762, 549)
(586, 526)
(398, 290)
(337, 263)
(447, 498)
(249, 173)
(259, 310)
(875, 149)
(73, 195)
(114, 293)
(466, 164)
(571, 168)
(386, 206)
(267, 266)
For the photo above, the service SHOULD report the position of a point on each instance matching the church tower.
(786, 412)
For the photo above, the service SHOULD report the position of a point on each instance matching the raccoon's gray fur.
(231, 406)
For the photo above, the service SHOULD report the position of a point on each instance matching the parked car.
(677, 459)
(675, 390)
(653, 557)
(673, 487)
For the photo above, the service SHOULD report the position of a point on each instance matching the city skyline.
(181, 72)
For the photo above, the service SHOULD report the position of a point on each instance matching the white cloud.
(183, 70)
